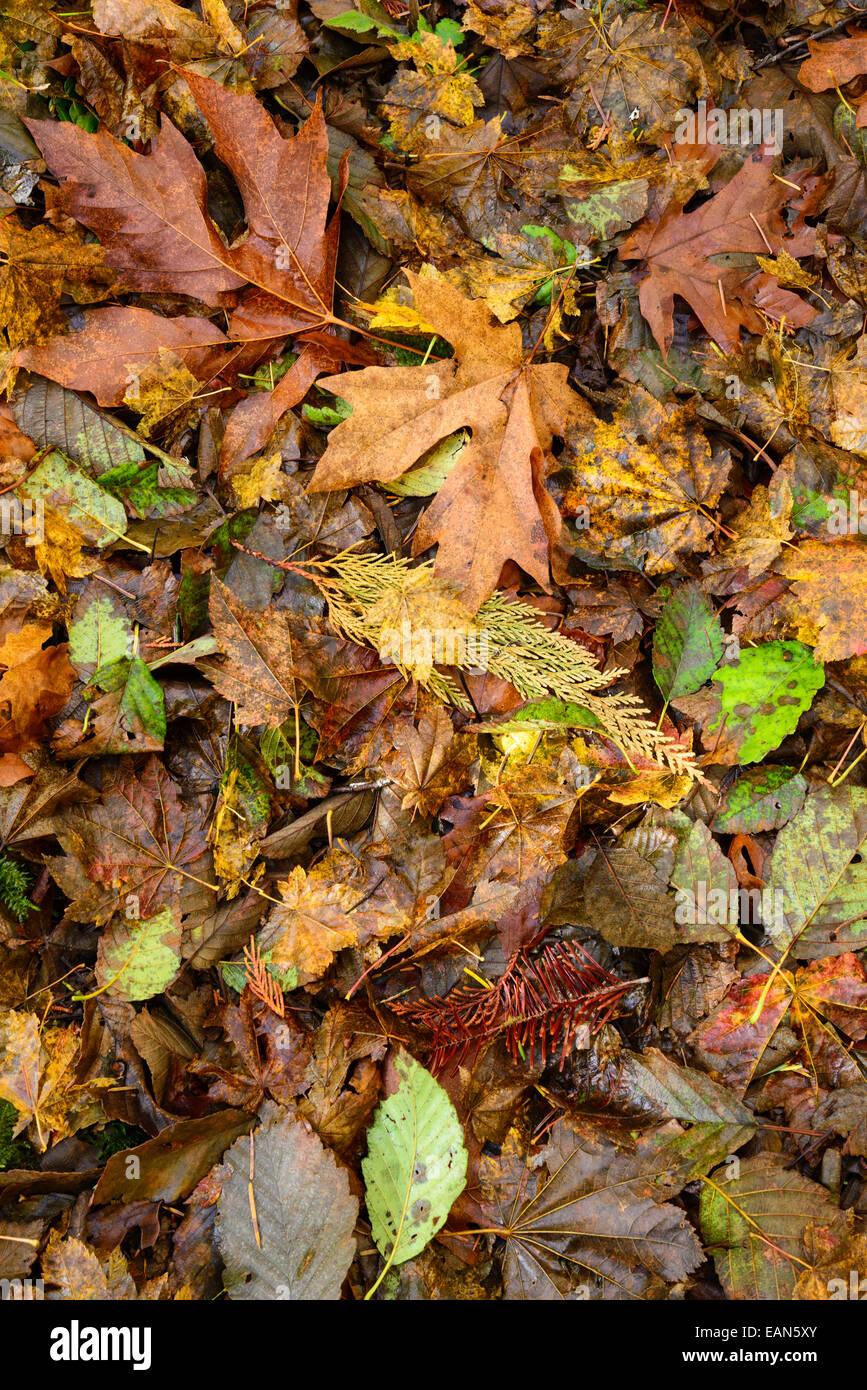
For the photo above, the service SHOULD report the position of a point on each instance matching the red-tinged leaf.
(746, 215)
(285, 186)
(837, 988)
(149, 211)
(116, 343)
(734, 1044)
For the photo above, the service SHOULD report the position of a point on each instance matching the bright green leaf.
(416, 1164)
(138, 959)
(763, 695)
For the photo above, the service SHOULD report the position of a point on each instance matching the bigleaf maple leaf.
(150, 214)
(679, 249)
(493, 506)
(150, 210)
(141, 843)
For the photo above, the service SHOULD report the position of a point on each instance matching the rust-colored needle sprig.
(540, 1001)
(261, 982)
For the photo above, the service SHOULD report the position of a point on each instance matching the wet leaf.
(416, 1164)
(754, 1225)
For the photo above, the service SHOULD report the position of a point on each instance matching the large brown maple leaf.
(150, 214)
(493, 506)
(678, 249)
(139, 847)
(150, 210)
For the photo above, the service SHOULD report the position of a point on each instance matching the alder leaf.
(61, 420)
(58, 483)
(99, 634)
(687, 643)
(138, 959)
(757, 700)
(818, 871)
(302, 1243)
(140, 697)
(763, 798)
(416, 1164)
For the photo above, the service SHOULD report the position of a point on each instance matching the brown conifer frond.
(538, 1002)
(261, 982)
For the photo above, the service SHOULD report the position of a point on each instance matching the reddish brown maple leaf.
(678, 249)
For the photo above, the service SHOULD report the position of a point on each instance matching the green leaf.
(99, 517)
(432, 470)
(416, 1164)
(142, 703)
(138, 959)
(353, 22)
(763, 799)
(556, 714)
(754, 1223)
(600, 215)
(687, 644)
(304, 1211)
(327, 416)
(99, 634)
(818, 869)
(153, 491)
(685, 1094)
(448, 30)
(763, 695)
(707, 888)
(235, 975)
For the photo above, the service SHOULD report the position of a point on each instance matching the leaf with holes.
(756, 701)
(819, 875)
(764, 798)
(416, 1164)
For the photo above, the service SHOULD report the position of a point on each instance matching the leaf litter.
(432, 650)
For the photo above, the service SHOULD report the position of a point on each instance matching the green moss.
(14, 1152)
(113, 1138)
(14, 882)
